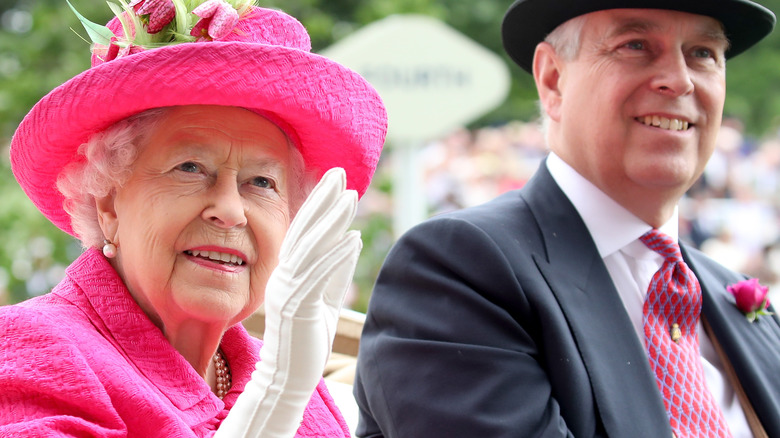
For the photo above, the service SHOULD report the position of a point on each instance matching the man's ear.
(107, 217)
(547, 75)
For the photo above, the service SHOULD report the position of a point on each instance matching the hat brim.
(338, 118)
(528, 22)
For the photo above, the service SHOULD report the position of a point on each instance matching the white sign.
(432, 78)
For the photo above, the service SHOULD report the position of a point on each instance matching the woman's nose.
(225, 206)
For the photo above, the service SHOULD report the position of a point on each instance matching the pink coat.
(85, 361)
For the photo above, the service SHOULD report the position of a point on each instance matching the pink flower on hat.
(115, 51)
(751, 298)
(218, 19)
(160, 12)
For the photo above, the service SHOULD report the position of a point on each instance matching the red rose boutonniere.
(751, 298)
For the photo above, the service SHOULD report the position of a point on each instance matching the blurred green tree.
(38, 51)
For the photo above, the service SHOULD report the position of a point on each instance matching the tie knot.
(663, 245)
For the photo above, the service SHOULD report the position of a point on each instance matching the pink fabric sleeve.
(46, 387)
(322, 389)
(319, 416)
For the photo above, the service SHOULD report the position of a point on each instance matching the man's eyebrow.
(633, 25)
(638, 25)
(718, 36)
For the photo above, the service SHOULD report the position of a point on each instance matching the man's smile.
(665, 123)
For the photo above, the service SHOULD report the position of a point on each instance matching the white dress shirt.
(631, 265)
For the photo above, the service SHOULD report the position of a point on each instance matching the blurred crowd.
(731, 213)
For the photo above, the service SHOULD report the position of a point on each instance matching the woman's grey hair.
(106, 162)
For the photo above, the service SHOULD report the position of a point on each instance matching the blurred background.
(732, 213)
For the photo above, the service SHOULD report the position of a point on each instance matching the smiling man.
(568, 308)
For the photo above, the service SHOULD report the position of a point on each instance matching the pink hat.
(260, 60)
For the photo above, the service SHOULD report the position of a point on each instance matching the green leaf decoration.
(117, 10)
(99, 34)
(182, 16)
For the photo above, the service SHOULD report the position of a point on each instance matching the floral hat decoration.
(159, 53)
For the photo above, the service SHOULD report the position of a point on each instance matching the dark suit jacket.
(502, 321)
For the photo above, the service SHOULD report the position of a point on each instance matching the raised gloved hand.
(302, 304)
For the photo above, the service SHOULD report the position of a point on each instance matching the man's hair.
(565, 40)
(106, 162)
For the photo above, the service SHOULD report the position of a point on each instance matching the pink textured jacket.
(85, 361)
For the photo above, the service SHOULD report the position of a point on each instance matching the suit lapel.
(625, 391)
(753, 349)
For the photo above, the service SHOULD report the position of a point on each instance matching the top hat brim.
(528, 22)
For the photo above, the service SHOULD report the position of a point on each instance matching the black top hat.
(527, 22)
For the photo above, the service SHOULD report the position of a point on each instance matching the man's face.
(640, 105)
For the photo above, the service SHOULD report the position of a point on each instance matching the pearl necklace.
(223, 374)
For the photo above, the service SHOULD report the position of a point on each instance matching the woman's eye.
(635, 45)
(263, 182)
(188, 166)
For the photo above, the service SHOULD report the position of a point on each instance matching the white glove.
(302, 304)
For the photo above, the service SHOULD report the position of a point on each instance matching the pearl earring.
(109, 249)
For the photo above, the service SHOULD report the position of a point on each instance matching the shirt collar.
(611, 226)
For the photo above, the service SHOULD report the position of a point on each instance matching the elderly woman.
(180, 160)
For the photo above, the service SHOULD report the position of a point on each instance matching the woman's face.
(200, 222)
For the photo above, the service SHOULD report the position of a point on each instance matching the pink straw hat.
(262, 62)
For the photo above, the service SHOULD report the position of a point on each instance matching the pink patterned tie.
(671, 312)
